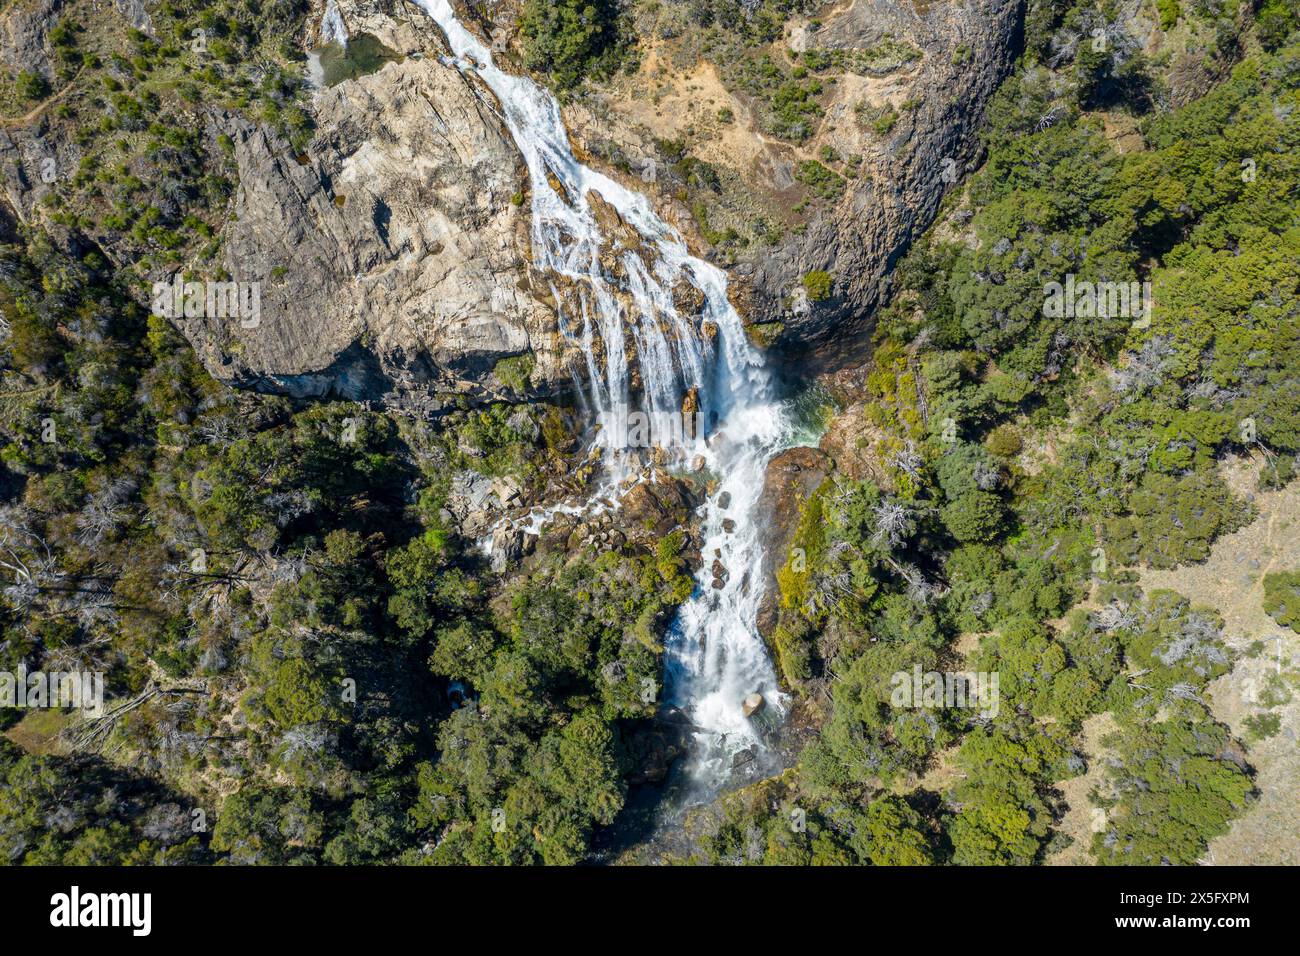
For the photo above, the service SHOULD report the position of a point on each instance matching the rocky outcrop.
(393, 250)
(660, 505)
(23, 42)
(859, 449)
(474, 501)
(969, 47)
(791, 477)
(32, 151)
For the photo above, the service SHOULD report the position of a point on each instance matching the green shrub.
(515, 371)
(32, 86)
(1169, 12)
(818, 284)
(1004, 441)
(1282, 598)
(825, 183)
(570, 40)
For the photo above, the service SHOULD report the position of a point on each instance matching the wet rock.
(654, 748)
(658, 507)
(752, 704)
(791, 477)
(728, 525)
(687, 299)
(507, 549)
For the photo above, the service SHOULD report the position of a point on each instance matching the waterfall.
(714, 656)
(332, 27)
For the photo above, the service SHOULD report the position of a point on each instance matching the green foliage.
(1174, 785)
(824, 183)
(1174, 520)
(818, 285)
(1282, 598)
(789, 99)
(1032, 453)
(571, 40)
(1277, 19)
(394, 706)
(1169, 11)
(83, 812)
(32, 86)
(514, 372)
(774, 824)
(1003, 807)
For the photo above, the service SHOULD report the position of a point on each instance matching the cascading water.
(715, 657)
(332, 28)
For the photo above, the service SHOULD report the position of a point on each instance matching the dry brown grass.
(1078, 819)
(1232, 582)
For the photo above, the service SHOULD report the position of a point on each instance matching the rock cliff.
(393, 250)
(900, 121)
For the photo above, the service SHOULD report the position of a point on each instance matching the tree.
(975, 516)
(1282, 598)
(570, 40)
(890, 833)
(1175, 785)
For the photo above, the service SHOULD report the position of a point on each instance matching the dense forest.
(306, 663)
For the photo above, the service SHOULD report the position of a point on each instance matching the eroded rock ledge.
(391, 252)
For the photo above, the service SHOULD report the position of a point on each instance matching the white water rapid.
(332, 27)
(714, 655)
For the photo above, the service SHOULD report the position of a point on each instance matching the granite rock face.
(23, 41)
(391, 255)
(392, 252)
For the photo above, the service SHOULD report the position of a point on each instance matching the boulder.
(657, 506)
(791, 477)
(507, 548)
